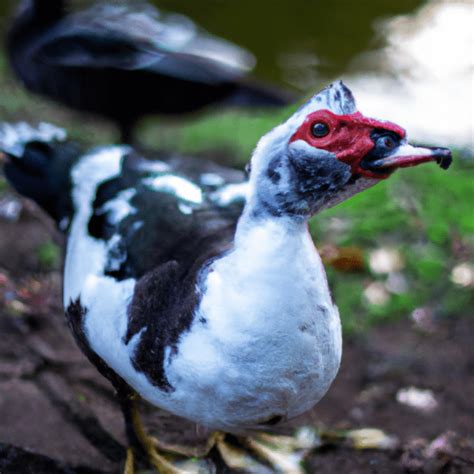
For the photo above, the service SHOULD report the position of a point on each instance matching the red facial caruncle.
(347, 136)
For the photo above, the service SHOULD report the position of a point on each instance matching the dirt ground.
(58, 415)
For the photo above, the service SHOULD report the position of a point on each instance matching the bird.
(123, 62)
(197, 287)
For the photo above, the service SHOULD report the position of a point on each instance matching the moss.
(49, 255)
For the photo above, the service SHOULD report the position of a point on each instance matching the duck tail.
(37, 162)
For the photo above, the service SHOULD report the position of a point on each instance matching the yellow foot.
(268, 453)
(129, 462)
(161, 464)
(159, 461)
(188, 451)
(262, 453)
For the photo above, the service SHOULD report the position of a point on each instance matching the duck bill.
(406, 156)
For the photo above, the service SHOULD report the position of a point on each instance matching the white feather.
(119, 207)
(182, 188)
(14, 137)
(231, 193)
(271, 344)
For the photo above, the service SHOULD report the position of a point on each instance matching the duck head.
(326, 152)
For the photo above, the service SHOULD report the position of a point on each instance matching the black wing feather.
(158, 230)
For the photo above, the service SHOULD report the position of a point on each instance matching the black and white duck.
(125, 61)
(196, 288)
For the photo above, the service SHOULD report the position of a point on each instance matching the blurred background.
(399, 256)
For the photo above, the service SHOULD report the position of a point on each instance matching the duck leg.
(260, 453)
(129, 467)
(140, 441)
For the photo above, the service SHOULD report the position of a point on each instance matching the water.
(424, 74)
(411, 60)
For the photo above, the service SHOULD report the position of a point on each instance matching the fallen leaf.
(417, 398)
(344, 259)
(371, 438)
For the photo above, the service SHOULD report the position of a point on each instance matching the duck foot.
(260, 454)
(268, 453)
(285, 454)
(189, 451)
(142, 443)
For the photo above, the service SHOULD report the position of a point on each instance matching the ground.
(58, 415)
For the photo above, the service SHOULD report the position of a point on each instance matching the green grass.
(425, 213)
(48, 255)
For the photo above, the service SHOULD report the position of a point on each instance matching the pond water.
(411, 60)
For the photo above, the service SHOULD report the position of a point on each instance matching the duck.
(123, 62)
(198, 287)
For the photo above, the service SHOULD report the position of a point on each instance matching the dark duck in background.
(126, 61)
(197, 289)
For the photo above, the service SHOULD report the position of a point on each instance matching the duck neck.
(257, 215)
(269, 240)
(270, 188)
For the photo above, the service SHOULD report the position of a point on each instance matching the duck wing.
(130, 38)
(167, 209)
(137, 213)
(140, 234)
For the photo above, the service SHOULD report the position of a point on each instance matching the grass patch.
(49, 256)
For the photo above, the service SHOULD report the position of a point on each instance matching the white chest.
(266, 341)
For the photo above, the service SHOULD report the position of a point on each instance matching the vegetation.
(48, 255)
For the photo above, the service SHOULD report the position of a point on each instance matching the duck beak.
(408, 155)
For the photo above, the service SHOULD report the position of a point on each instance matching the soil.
(58, 415)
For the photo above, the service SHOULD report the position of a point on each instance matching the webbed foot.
(261, 453)
(268, 453)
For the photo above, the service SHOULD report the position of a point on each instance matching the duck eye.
(386, 142)
(319, 130)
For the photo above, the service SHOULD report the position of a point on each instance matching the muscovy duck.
(195, 288)
(126, 61)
